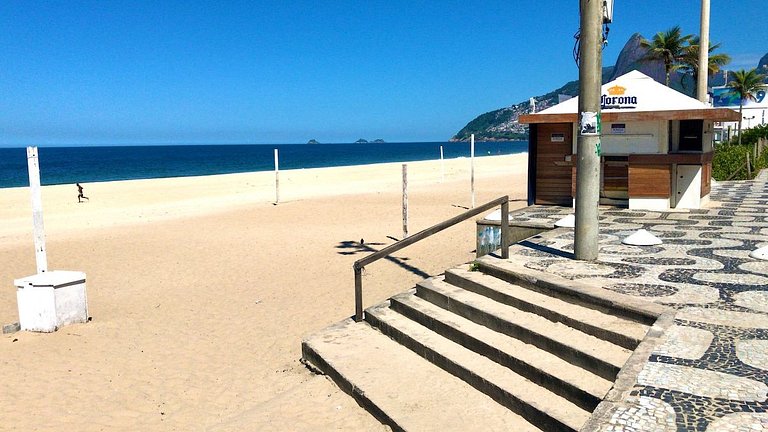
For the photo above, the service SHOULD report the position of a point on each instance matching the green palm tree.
(689, 63)
(668, 46)
(745, 84)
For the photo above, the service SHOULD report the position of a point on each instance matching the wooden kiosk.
(656, 147)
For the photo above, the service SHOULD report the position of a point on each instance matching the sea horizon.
(100, 163)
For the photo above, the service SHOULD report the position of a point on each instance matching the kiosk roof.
(635, 96)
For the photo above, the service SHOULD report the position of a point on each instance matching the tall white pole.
(472, 167)
(442, 166)
(703, 77)
(405, 200)
(37, 209)
(277, 179)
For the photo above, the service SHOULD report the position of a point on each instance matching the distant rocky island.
(360, 141)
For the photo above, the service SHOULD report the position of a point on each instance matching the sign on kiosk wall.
(726, 97)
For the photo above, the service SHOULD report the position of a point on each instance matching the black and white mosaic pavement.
(710, 372)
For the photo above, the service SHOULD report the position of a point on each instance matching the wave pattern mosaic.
(710, 371)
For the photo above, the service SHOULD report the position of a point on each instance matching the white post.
(442, 166)
(37, 209)
(405, 200)
(703, 74)
(472, 167)
(277, 179)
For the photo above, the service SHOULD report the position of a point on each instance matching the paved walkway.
(709, 369)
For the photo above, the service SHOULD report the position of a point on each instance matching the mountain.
(502, 124)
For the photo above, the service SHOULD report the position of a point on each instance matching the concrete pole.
(588, 142)
(703, 78)
(33, 167)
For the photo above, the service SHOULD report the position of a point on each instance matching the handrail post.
(358, 293)
(505, 229)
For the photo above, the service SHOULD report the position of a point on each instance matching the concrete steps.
(424, 359)
(541, 367)
(401, 389)
(615, 329)
(536, 404)
(596, 355)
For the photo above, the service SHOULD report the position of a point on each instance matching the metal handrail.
(421, 235)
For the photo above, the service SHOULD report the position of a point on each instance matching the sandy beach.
(201, 290)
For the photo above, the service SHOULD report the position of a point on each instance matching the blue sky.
(151, 72)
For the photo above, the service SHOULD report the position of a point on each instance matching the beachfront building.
(754, 112)
(656, 147)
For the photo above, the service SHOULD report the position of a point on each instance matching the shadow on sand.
(351, 247)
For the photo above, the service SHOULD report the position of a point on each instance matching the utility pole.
(588, 141)
(703, 77)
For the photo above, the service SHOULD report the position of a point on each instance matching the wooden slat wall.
(674, 158)
(646, 181)
(615, 176)
(553, 176)
(706, 179)
(573, 182)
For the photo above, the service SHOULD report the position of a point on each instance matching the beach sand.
(201, 290)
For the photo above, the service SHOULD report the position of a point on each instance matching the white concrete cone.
(642, 237)
(761, 254)
(496, 216)
(566, 222)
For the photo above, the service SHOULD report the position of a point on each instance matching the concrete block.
(11, 328)
(51, 300)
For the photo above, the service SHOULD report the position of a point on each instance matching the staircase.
(489, 349)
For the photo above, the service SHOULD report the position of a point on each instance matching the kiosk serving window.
(691, 136)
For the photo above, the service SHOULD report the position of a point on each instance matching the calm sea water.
(60, 165)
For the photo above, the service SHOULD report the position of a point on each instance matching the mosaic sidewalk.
(709, 369)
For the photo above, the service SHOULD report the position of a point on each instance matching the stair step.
(578, 385)
(536, 404)
(575, 291)
(620, 331)
(399, 387)
(596, 355)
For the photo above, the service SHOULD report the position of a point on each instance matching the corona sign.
(617, 99)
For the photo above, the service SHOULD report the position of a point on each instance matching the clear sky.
(162, 71)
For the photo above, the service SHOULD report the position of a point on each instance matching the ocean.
(63, 165)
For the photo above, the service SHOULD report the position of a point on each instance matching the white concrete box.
(51, 300)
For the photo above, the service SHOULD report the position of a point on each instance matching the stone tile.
(754, 266)
(691, 294)
(753, 352)
(642, 414)
(700, 382)
(755, 300)
(684, 342)
(732, 278)
(724, 317)
(740, 422)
